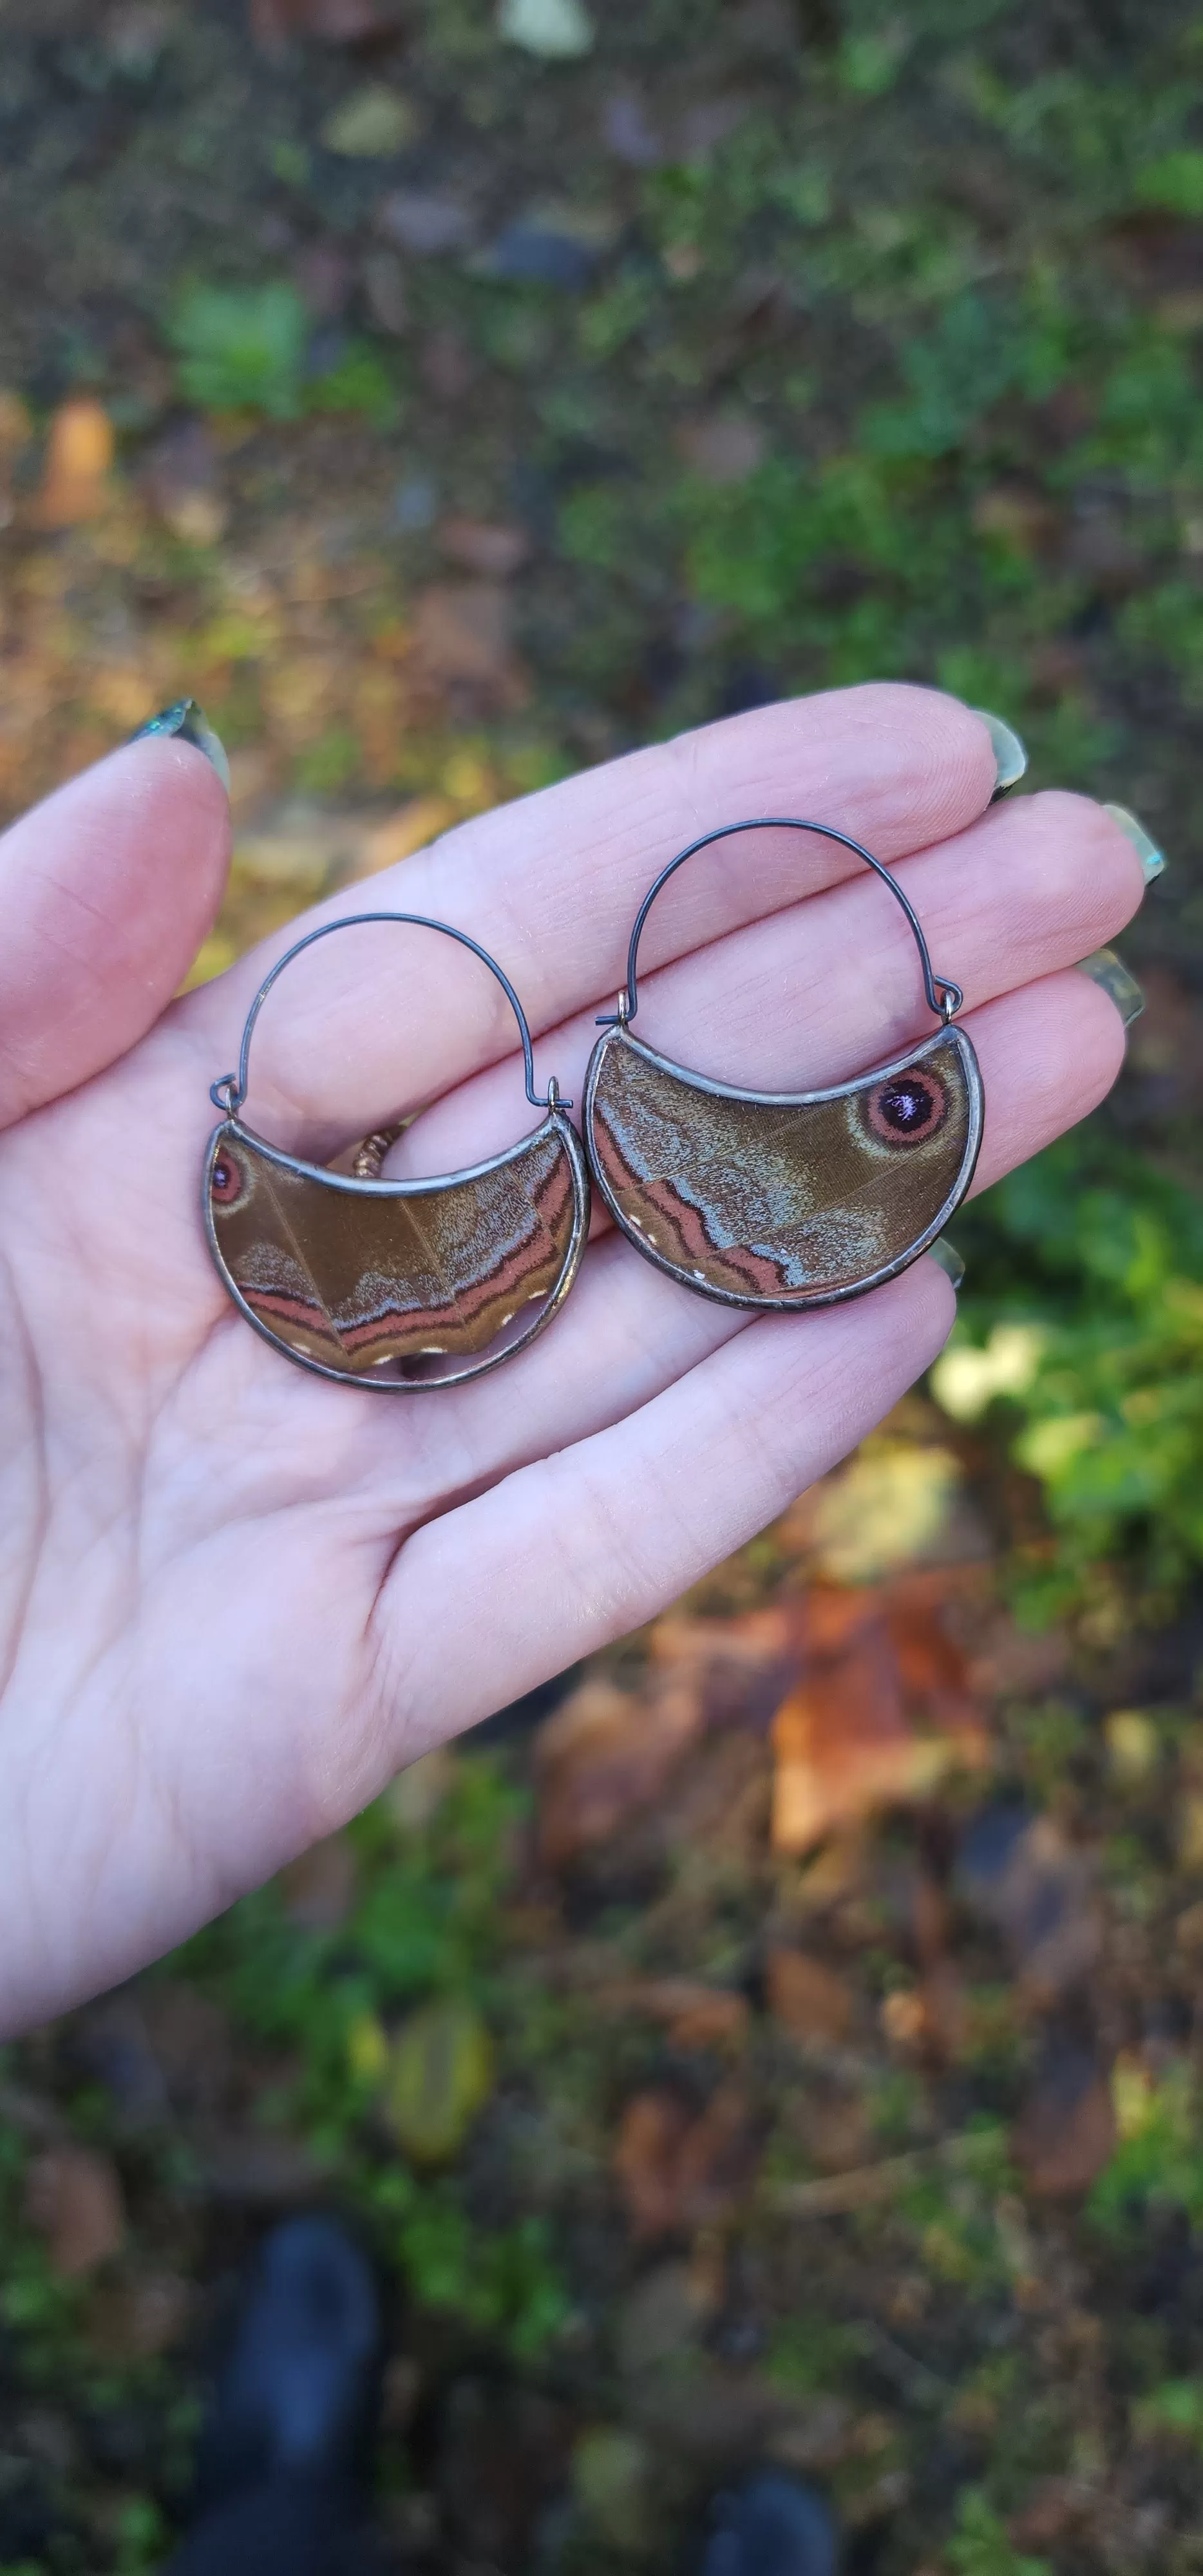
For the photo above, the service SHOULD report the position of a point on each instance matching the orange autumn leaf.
(882, 1711)
(677, 2169)
(79, 460)
(606, 1754)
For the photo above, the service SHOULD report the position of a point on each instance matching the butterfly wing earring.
(783, 1199)
(395, 1285)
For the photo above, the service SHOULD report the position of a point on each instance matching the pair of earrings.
(774, 1200)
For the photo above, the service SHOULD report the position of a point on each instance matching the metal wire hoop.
(943, 998)
(231, 1091)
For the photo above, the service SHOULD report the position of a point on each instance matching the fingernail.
(1110, 972)
(1152, 860)
(949, 1259)
(1010, 758)
(188, 721)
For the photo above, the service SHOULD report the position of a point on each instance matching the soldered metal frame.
(799, 1301)
(944, 998)
(230, 1092)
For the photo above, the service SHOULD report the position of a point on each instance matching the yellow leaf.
(441, 2077)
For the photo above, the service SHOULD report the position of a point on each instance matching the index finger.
(550, 886)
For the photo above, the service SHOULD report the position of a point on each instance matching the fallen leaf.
(810, 2001)
(881, 1713)
(1066, 2131)
(695, 2015)
(604, 1755)
(484, 546)
(440, 2079)
(679, 2169)
(371, 125)
(74, 2200)
(555, 30)
(79, 459)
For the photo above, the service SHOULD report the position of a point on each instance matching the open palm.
(235, 1599)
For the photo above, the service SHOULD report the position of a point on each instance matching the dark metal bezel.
(800, 1303)
(555, 1122)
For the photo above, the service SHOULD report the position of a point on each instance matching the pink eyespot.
(226, 1179)
(907, 1109)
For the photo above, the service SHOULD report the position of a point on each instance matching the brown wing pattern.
(782, 1202)
(355, 1277)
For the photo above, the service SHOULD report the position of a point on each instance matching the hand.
(234, 1599)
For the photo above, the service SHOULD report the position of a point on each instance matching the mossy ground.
(761, 347)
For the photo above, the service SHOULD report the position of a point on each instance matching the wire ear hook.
(230, 1092)
(943, 997)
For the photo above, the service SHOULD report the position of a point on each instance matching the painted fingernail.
(949, 1259)
(1109, 971)
(1010, 758)
(188, 721)
(1152, 860)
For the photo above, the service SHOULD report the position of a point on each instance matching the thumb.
(106, 892)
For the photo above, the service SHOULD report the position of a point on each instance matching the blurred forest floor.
(783, 2042)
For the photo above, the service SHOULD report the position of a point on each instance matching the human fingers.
(380, 1021)
(106, 892)
(1048, 1055)
(584, 1546)
(833, 985)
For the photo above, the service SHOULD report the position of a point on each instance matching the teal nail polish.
(1152, 860)
(1110, 973)
(1010, 757)
(949, 1259)
(188, 721)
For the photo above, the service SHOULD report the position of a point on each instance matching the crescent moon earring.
(783, 1199)
(395, 1285)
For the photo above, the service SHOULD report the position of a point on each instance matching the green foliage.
(1100, 1257)
(980, 2545)
(244, 348)
(241, 348)
(1173, 2411)
(386, 2019)
(1158, 2161)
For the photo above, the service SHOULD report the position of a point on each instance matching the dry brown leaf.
(79, 459)
(882, 1710)
(810, 2001)
(680, 2169)
(604, 1755)
(74, 2200)
(695, 2015)
(1066, 2131)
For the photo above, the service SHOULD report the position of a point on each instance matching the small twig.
(835, 2195)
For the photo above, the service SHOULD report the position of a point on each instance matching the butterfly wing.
(761, 1199)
